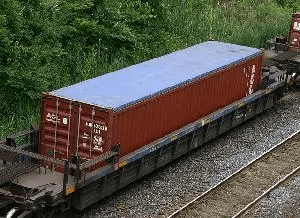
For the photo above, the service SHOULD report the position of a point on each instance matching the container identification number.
(97, 127)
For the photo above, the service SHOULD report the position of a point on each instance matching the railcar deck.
(44, 177)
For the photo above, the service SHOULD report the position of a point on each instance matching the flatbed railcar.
(95, 136)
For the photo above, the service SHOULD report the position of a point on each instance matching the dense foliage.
(47, 44)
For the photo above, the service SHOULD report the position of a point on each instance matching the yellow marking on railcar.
(122, 164)
(174, 137)
(206, 121)
(267, 91)
(70, 189)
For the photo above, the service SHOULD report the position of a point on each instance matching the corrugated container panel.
(294, 34)
(139, 104)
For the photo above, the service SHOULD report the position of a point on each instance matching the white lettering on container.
(97, 142)
(52, 118)
(85, 135)
(250, 74)
(65, 120)
(297, 26)
(97, 127)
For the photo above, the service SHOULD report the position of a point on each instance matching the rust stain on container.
(70, 127)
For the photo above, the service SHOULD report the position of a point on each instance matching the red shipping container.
(139, 104)
(294, 33)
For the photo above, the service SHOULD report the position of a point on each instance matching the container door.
(71, 128)
(91, 133)
(57, 128)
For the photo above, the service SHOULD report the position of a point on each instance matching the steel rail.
(232, 175)
(252, 204)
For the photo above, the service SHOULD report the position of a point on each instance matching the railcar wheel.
(26, 214)
(44, 214)
(18, 213)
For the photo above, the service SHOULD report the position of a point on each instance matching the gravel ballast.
(166, 190)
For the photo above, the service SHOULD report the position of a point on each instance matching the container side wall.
(149, 120)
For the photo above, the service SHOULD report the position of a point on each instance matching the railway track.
(241, 191)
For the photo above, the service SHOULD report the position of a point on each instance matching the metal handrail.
(99, 159)
(34, 155)
(82, 166)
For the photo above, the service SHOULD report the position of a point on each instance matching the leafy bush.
(48, 44)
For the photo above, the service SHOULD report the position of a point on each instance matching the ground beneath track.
(243, 188)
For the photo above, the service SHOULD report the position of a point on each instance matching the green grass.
(183, 23)
(242, 22)
(20, 118)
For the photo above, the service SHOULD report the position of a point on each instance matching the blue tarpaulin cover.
(119, 89)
